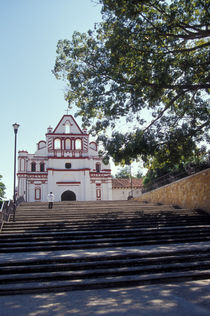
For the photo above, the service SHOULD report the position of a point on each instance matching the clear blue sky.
(29, 93)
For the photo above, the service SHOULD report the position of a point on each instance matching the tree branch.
(180, 86)
(187, 49)
(163, 111)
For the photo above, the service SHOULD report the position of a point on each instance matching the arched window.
(41, 167)
(68, 143)
(78, 144)
(67, 128)
(98, 167)
(57, 143)
(33, 167)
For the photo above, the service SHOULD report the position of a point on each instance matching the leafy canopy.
(2, 188)
(146, 56)
(124, 173)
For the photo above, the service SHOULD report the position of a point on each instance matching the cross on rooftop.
(68, 109)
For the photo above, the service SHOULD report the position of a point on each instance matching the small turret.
(50, 129)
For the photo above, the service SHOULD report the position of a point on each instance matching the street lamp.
(15, 126)
(131, 182)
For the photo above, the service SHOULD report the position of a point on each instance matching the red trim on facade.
(99, 175)
(23, 151)
(98, 193)
(69, 157)
(67, 138)
(22, 160)
(41, 141)
(66, 183)
(66, 135)
(62, 147)
(98, 167)
(42, 174)
(34, 157)
(67, 170)
(68, 116)
(95, 145)
(37, 193)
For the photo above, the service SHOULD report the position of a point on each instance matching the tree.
(139, 174)
(2, 188)
(162, 173)
(146, 55)
(124, 173)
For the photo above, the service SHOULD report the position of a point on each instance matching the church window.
(57, 143)
(68, 165)
(22, 164)
(98, 167)
(42, 167)
(78, 144)
(33, 166)
(37, 194)
(68, 143)
(67, 128)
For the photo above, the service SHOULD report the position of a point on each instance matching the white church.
(65, 163)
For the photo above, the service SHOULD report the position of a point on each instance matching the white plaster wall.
(75, 163)
(122, 194)
(31, 193)
(81, 190)
(119, 194)
(106, 189)
(44, 193)
(21, 186)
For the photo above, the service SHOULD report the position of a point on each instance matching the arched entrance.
(68, 196)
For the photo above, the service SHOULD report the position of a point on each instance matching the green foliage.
(124, 173)
(139, 174)
(199, 160)
(2, 188)
(145, 55)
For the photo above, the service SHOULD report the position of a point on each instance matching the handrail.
(173, 176)
(7, 210)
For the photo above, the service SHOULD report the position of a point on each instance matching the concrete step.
(65, 226)
(111, 219)
(96, 244)
(133, 278)
(104, 233)
(52, 231)
(71, 263)
(39, 276)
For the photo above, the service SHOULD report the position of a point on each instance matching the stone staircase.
(103, 244)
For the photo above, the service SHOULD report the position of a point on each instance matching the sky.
(29, 93)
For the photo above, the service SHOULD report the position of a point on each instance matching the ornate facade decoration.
(65, 163)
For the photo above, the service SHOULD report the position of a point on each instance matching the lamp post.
(131, 183)
(15, 126)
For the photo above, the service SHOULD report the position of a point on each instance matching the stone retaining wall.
(190, 192)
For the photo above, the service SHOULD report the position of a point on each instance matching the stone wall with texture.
(191, 192)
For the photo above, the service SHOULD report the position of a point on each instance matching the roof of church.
(70, 119)
(126, 183)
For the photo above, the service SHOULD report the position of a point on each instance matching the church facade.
(65, 163)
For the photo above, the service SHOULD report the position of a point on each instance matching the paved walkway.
(188, 298)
